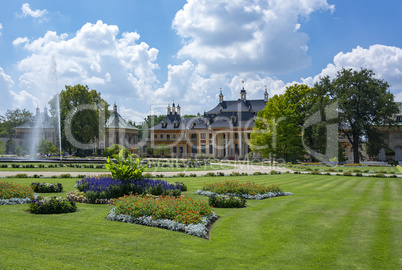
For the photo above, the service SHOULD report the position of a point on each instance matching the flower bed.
(52, 206)
(105, 188)
(174, 213)
(248, 190)
(226, 201)
(47, 187)
(12, 193)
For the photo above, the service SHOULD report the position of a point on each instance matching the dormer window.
(164, 124)
(176, 124)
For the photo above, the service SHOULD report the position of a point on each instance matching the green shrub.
(183, 186)
(65, 175)
(52, 206)
(126, 168)
(210, 174)
(47, 187)
(347, 174)
(225, 201)
(21, 175)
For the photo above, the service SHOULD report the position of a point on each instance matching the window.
(210, 135)
(211, 149)
(180, 135)
(161, 136)
(202, 135)
(181, 149)
(167, 136)
(203, 149)
(399, 119)
(155, 136)
(174, 136)
(174, 149)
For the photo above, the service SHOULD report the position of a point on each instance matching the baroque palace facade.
(222, 132)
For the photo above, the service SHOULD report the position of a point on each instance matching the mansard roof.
(238, 106)
(116, 121)
(40, 120)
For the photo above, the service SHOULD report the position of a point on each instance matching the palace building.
(221, 132)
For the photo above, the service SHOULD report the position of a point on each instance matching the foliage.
(126, 168)
(46, 147)
(236, 187)
(364, 102)
(181, 209)
(149, 121)
(107, 188)
(226, 201)
(52, 206)
(277, 131)
(47, 187)
(2, 148)
(115, 150)
(162, 150)
(14, 118)
(10, 190)
(84, 125)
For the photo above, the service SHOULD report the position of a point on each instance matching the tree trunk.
(355, 147)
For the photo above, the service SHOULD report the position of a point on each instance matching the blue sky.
(145, 54)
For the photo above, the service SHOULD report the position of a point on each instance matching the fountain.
(59, 123)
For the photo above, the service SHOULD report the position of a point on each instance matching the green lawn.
(331, 222)
(361, 169)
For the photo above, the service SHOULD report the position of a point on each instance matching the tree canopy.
(364, 103)
(277, 131)
(79, 101)
(11, 119)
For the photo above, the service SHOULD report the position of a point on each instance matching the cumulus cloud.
(385, 61)
(6, 85)
(27, 11)
(18, 41)
(196, 93)
(246, 35)
(118, 66)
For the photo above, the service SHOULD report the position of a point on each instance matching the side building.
(117, 131)
(221, 132)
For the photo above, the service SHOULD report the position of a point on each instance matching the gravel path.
(240, 168)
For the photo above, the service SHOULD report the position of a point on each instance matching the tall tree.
(85, 123)
(364, 102)
(13, 118)
(277, 131)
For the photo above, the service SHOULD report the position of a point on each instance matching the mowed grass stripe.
(384, 246)
(332, 222)
(358, 241)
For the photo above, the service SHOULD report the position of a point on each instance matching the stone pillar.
(240, 145)
(226, 145)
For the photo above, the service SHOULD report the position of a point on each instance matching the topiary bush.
(52, 205)
(226, 201)
(47, 187)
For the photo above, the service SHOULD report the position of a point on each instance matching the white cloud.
(120, 68)
(1, 28)
(385, 61)
(27, 11)
(18, 41)
(246, 35)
